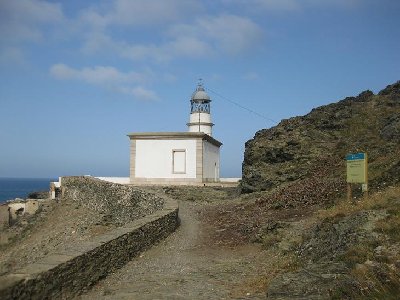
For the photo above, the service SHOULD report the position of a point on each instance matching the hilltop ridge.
(296, 147)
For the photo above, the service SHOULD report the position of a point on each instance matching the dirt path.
(188, 266)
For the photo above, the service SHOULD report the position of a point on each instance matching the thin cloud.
(265, 5)
(230, 33)
(95, 75)
(139, 93)
(140, 52)
(338, 3)
(188, 46)
(288, 5)
(140, 12)
(108, 77)
(181, 26)
(169, 77)
(96, 41)
(259, 6)
(101, 42)
(12, 55)
(251, 76)
(24, 19)
(206, 36)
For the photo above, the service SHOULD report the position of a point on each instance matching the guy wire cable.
(241, 106)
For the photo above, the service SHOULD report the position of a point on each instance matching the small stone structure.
(22, 207)
(16, 209)
(31, 206)
(11, 211)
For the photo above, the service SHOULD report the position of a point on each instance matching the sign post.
(357, 172)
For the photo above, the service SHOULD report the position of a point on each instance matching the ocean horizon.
(11, 188)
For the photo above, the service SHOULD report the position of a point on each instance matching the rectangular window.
(179, 161)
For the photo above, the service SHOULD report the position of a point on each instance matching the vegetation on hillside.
(296, 147)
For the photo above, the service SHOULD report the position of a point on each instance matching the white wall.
(203, 128)
(210, 158)
(119, 180)
(154, 158)
(230, 179)
(197, 118)
(200, 118)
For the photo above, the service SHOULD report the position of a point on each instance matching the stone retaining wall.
(67, 273)
(118, 203)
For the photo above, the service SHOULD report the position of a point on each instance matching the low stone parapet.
(67, 273)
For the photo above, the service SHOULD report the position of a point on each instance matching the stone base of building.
(185, 181)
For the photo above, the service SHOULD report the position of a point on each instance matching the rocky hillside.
(316, 144)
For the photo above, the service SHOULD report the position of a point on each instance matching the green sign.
(357, 168)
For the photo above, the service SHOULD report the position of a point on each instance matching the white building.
(178, 157)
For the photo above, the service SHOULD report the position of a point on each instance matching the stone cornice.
(173, 135)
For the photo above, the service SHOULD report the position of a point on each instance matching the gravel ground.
(189, 264)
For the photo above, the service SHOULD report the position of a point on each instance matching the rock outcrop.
(295, 147)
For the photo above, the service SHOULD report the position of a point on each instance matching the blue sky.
(77, 76)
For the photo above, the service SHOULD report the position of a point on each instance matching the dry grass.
(279, 263)
(376, 273)
(388, 227)
(357, 254)
(391, 224)
(374, 281)
(373, 202)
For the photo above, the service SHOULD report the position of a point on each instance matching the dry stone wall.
(118, 203)
(67, 273)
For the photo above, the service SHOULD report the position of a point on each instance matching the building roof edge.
(170, 135)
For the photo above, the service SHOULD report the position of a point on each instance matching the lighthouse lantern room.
(200, 108)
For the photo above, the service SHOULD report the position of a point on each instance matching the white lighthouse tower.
(189, 158)
(200, 117)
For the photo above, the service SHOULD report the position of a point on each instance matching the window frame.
(173, 161)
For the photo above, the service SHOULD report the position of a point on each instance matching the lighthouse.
(200, 111)
(178, 158)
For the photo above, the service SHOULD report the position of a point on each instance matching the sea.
(11, 188)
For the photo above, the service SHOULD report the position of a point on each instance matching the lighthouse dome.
(200, 93)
